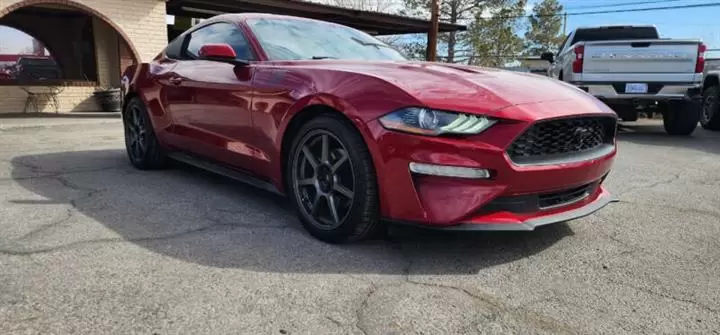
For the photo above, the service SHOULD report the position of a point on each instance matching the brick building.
(91, 40)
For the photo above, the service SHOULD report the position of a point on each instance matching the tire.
(626, 113)
(629, 118)
(314, 184)
(710, 116)
(141, 143)
(681, 117)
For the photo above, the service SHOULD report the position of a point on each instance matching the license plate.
(636, 88)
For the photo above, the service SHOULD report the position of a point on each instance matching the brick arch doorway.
(128, 53)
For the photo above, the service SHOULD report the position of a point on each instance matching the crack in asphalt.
(89, 193)
(496, 305)
(364, 303)
(336, 322)
(73, 245)
(667, 296)
(650, 186)
(675, 208)
(69, 213)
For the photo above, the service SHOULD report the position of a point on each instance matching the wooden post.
(433, 33)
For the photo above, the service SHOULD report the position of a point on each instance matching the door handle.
(175, 80)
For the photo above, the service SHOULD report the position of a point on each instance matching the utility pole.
(434, 27)
(565, 24)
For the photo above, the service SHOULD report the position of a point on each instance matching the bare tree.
(383, 6)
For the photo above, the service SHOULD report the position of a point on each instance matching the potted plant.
(109, 99)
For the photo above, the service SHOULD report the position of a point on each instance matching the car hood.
(460, 88)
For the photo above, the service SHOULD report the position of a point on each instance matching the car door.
(218, 123)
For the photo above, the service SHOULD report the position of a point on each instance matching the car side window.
(173, 49)
(220, 32)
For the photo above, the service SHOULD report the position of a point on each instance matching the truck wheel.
(710, 118)
(627, 113)
(629, 117)
(681, 117)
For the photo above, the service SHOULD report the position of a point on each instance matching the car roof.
(248, 16)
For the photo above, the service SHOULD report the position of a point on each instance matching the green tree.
(453, 45)
(493, 36)
(545, 31)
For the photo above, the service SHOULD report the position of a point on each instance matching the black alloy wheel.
(324, 179)
(136, 133)
(332, 181)
(141, 144)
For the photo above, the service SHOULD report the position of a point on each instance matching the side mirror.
(219, 52)
(548, 56)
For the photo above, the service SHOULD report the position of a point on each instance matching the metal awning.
(370, 22)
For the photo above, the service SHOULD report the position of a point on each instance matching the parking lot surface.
(90, 245)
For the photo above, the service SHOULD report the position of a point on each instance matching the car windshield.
(294, 39)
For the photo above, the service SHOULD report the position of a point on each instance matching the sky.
(702, 23)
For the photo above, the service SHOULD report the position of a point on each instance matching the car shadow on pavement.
(653, 133)
(206, 219)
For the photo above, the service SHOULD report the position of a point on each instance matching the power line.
(623, 4)
(704, 5)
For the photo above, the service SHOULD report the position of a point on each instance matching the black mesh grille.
(553, 138)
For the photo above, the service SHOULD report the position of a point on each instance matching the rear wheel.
(681, 117)
(627, 113)
(332, 181)
(141, 144)
(710, 118)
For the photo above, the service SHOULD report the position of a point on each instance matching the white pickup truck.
(632, 69)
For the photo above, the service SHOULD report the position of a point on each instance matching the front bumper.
(447, 202)
(514, 222)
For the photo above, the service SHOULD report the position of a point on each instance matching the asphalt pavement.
(89, 245)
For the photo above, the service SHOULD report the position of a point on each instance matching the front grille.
(537, 202)
(547, 140)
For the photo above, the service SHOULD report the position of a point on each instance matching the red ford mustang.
(354, 134)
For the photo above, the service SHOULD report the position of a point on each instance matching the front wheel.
(710, 118)
(332, 181)
(681, 117)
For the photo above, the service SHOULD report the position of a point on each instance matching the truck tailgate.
(641, 56)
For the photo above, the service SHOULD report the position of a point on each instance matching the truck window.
(615, 33)
(36, 62)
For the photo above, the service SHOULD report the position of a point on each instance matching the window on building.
(24, 57)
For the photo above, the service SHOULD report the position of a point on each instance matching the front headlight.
(426, 121)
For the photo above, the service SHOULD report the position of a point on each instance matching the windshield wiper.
(379, 45)
(324, 57)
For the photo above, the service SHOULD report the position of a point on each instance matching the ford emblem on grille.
(582, 132)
